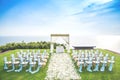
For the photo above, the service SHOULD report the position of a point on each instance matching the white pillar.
(68, 45)
(68, 48)
(51, 47)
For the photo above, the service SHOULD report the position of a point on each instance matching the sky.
(45, 17)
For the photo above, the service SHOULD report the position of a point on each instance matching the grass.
(21, 75)
(85, 75)
(106, 75)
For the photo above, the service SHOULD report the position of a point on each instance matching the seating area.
(32, 60)
(43, 71)
(93, 60)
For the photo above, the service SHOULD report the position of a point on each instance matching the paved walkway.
(61, 68)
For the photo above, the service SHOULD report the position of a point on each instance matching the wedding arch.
(65, 38)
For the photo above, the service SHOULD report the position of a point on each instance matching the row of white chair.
(91, 59)
(26, 58)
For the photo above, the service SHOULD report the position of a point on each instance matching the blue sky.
(43, 17)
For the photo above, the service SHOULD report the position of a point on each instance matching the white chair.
(104, 62)
(38, 68)
(31, 64)
(97, 62)
(6, 63)
(21, 65)
(13, 63)
(80, 63)
(111, 63)
(89, 62)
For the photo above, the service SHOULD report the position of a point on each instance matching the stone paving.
(61, 68)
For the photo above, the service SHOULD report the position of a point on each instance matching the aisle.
(61, 67)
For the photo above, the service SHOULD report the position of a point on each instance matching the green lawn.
(107, 75)
(85, 75)
(21, 75)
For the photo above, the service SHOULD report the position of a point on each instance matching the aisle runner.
(61, 67)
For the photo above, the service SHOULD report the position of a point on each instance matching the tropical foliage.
(29, 45)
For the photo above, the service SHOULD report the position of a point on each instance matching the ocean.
(8, 39)
(104, 42)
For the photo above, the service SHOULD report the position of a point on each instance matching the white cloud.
(46, 21)
(100, 1)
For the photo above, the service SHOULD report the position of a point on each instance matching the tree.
(30, 45)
